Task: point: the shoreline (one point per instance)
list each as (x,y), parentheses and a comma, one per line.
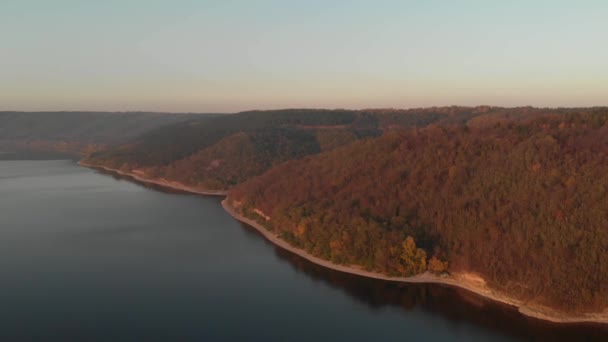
(455,280)
(159,182)
(424,278)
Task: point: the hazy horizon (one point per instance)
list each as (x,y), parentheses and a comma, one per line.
(231,56)
(290,108)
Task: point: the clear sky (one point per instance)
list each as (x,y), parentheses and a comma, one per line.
(223,55)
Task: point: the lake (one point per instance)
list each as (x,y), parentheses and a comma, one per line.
(86,256)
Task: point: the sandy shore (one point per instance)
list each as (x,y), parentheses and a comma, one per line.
(160,182)
(462,281)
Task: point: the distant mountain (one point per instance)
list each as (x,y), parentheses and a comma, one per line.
(79,131)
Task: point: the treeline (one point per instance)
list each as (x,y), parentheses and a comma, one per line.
(516,196)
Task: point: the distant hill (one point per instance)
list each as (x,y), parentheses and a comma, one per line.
(226,150)
(79,131)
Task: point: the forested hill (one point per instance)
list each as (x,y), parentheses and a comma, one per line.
(226,150)
(518,198)
(79,131)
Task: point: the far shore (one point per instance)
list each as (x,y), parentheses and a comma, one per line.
(462,281)
(160,182)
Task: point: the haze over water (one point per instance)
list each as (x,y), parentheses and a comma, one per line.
(85,256)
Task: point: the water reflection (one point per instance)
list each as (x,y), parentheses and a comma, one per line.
(454,304)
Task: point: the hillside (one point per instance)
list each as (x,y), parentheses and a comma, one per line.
(78,131)
(517,198)
(226,150)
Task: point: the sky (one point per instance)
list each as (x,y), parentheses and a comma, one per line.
(229,55)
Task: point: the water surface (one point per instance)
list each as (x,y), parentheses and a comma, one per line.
(85,256)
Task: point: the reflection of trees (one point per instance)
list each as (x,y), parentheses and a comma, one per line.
(453,304)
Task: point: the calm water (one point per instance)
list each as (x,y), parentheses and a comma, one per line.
(88,257)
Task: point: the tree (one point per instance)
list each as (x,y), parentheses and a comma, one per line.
(413,259)
(437,266)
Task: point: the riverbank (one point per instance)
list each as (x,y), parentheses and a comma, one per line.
(463,281)
(173,185)
(468,282)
